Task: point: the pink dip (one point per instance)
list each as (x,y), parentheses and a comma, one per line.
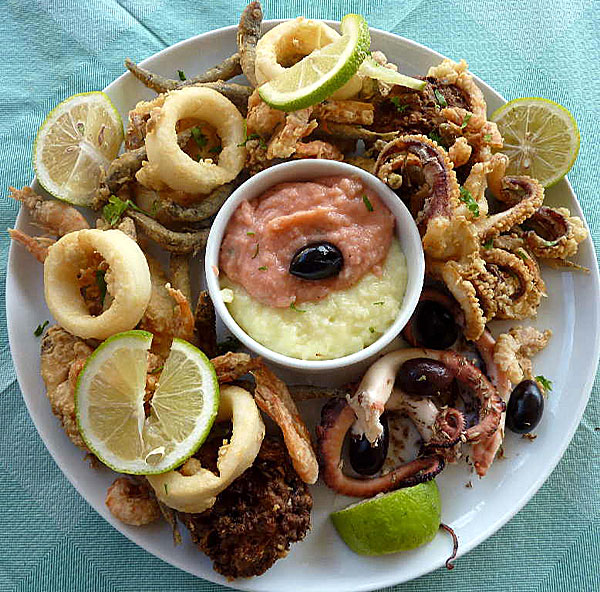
(264,234)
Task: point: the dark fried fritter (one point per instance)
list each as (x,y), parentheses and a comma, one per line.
(254,521)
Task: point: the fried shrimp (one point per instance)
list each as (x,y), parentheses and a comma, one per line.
(132,502)
(169,166)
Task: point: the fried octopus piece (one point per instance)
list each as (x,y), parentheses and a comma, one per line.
(132,501)
(62,358)
(255,520)
(513,351)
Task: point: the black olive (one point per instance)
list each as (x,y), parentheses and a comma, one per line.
(366,459)
(434,325)
(525,407)
(317,261)
(423,377)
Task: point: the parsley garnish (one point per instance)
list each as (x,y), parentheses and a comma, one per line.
(380,303)
(547,384)
(199,137)
(293,307)
(487,137)
(101,281)
(522,254)
(262,268)
(254,136)
(182,75)
(422,378)
(440,98)
(157,370)
(399,106)
(435,137)
(463,125)
(469,200)
(371,330)
(40,328)
(216,150)
(250,233)
(256,252)
(116,207)
(367,203)
(488,244)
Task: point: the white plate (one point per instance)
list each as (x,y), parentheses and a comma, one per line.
(322,561)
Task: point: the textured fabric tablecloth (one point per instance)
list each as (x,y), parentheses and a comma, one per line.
(51,539)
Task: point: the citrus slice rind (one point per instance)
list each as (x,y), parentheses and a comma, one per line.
(111,415)
(78,138)
(322,72)
(372,69)
(391,522)
(541,138)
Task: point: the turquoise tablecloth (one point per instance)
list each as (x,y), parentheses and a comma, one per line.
(51,539)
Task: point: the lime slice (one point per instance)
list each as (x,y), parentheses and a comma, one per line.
(323,71)
(372,69)
(398,521)
(78,138)
(109,403)
(540,138)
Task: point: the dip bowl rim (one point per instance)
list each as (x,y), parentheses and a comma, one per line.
(305,170)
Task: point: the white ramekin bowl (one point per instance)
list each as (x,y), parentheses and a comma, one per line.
(305,170)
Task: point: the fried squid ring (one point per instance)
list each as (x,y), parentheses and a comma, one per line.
(169,165)
(197,489)
(127,280)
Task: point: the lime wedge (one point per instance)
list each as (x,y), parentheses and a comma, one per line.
(323,71)
(372,69)
(398,521)
(540,138)
(78,138)
(109,403)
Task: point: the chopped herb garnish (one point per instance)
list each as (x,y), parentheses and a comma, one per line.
(547,384)
(262,268)
(463,125)
(256,252)
(487,137)
(157,370)
(182,75)
(115,208)
(380,303)
(367,202)
(422,378)
(435,137)
(101,281)
(255,136)
(440,98)
(216,150)
(371,330)
(522,254)
(399,106)
(199,137)
(251,233)
(469,200)
(488,244)
(293,307)
(40,328)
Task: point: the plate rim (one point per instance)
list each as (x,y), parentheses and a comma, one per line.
(254,584)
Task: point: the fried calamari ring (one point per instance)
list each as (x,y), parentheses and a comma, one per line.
(168,165)
(194,489)
(127,281)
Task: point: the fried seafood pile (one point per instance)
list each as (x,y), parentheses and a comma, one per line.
(485,234)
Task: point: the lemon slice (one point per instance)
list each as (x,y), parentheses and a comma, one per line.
(109,403)
(540,138)
(323,71)
(398,521)
(78,138)
(372,69)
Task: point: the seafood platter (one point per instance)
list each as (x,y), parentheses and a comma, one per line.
(314,303)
